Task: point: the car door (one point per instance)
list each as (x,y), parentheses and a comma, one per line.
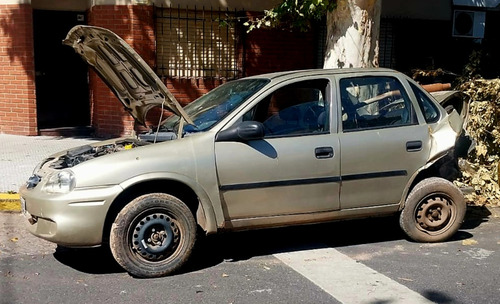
(295,168)
(382,143)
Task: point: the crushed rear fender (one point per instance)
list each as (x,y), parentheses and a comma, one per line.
(454,100)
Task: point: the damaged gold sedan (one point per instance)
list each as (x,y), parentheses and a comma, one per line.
(279,149)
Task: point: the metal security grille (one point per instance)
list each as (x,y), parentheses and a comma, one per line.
(196,43)
(320,37)
(387,44)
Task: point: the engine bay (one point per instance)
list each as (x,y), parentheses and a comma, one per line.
(78,155)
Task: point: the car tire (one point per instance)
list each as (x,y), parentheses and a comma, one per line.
(153,235)
(433,212)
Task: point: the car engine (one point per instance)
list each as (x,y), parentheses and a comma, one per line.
(80,154)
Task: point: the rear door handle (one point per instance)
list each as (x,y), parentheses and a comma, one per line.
(414,146)
(323,152)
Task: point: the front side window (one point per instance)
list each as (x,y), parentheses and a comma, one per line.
(297,109)
(374,102)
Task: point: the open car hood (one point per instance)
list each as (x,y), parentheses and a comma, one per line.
(134,83)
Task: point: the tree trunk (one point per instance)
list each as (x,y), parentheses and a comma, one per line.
(352,34)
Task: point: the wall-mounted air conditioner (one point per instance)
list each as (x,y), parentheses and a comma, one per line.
(468,24)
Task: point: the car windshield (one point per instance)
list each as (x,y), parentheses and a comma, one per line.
(212,107)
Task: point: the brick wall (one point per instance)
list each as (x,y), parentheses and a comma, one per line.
(271,50)
(262,51)
(135,24)
(17,71)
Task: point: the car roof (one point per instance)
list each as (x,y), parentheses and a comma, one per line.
(314,72)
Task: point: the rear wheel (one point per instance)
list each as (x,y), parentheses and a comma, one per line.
(153,235)
(434,211)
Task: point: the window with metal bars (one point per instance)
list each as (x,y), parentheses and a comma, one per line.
(387,44)
(196,43)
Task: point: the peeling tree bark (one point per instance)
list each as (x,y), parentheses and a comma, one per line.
(352,34)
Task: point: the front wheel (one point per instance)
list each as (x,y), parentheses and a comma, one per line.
(153,235)
(434,211)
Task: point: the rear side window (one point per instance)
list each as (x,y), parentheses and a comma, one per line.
(374,102)
(426,105)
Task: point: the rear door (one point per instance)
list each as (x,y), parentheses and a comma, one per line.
(295,169)
(382,142)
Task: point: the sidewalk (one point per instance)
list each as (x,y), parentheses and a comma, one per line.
(18,157)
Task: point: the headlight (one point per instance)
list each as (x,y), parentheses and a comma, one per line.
(60,182)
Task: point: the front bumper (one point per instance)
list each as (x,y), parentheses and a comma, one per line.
(74,219)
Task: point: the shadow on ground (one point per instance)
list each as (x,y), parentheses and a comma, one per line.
(244,245)
(238,246)
(475,216)
(89,260)
(438,297)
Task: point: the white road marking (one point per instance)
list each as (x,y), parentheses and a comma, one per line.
(479,253)
(346,280)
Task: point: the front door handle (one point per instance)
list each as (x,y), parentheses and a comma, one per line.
(414,146)
(323,152)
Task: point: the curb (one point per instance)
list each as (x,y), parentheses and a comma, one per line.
(10,202)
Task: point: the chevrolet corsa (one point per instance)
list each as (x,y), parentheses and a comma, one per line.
(279,149)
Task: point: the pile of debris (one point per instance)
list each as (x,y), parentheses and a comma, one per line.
(433,76)
(481,170)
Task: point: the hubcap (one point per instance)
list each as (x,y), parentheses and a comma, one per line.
(435,213)
(155,236)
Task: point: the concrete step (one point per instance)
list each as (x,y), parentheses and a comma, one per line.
(80,131)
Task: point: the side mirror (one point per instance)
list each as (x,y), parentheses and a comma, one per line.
(242,132)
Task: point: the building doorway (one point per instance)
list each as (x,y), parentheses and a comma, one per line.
(61,76)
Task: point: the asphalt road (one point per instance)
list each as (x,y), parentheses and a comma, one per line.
(267,266)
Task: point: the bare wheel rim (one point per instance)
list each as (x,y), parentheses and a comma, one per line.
(435,213)
(154,236)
